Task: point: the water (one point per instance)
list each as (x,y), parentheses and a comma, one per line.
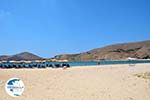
(79,63)
(107,62)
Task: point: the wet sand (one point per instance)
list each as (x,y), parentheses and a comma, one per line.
(109,82)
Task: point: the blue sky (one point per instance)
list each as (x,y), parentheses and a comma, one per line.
(51,27)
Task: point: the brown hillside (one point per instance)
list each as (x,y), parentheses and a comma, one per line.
(139,50)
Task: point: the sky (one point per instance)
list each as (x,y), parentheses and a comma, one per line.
(51,27)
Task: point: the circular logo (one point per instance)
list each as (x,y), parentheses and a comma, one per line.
(14,87)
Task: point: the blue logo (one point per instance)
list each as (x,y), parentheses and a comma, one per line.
(14,87)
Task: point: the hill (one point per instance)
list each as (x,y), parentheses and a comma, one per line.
(139,50)
(4,57)
(21,56)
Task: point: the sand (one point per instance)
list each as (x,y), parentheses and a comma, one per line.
(109,82)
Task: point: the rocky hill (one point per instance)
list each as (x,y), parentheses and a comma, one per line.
(139,50)
(21,56)
(4,57)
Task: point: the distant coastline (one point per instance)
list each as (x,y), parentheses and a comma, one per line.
(122,51)
(138,50)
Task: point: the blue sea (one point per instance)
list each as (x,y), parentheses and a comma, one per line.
(102,62)
(107,62)
(81,63)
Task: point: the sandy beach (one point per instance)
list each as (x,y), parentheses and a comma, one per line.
(109,82)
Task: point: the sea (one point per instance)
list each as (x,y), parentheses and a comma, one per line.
(81,63)
(107,62)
